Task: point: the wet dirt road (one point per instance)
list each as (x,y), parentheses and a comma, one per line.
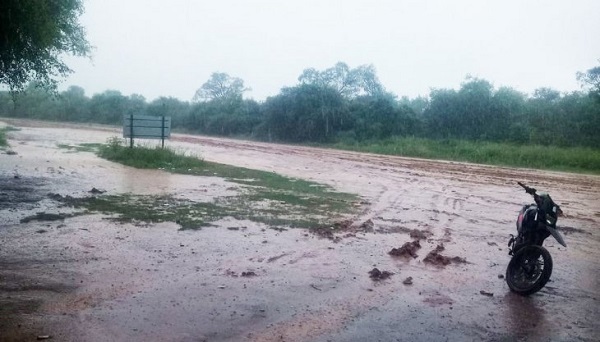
(89,279)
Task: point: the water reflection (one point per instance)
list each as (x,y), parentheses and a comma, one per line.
(525,317)
(144,181)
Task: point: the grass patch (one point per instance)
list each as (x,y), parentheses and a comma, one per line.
(134,208)
(3,131)
(263,197)
(148,158)
(572,159)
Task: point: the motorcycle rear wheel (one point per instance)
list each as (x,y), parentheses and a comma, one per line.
(529,270)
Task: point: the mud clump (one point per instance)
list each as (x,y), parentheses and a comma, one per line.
(377,275)
(409,249)
(246,274)
(96,191)
(419,234)
(485,293)
(366,226)
(348,226)
(435,258)
(328,231)
(342,225)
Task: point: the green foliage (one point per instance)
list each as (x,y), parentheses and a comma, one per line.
(474,112)
(221,87)
(34,34)
(379,117)
(348,82)
(591,80)
(344,104)
(225,118)
(304,113)
(578,159)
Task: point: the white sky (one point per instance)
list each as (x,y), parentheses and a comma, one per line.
(170,48)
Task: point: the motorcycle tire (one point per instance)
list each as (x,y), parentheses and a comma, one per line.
(523,274)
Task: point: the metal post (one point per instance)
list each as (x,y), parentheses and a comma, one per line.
(131,130)
(162,134)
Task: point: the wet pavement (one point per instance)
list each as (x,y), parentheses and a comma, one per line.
(86,278)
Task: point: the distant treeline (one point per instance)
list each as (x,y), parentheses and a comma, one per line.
(342,104)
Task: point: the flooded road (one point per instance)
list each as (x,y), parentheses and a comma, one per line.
(90,279)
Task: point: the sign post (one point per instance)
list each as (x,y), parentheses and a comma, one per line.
(146,127)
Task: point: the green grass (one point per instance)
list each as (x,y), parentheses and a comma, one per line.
(263,197)
(148,158)
(571,159)
(135,208)
(3,131)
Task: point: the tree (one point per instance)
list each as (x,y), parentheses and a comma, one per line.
(418,104)
(168,106)
(33,36)
(474,112)
(73,105)
(510,123)
(35,102)
(108,107)
(304,113)
(220,86)
(591,79)
(347,82)
(380,117)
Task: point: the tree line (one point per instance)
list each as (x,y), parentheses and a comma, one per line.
(342,104)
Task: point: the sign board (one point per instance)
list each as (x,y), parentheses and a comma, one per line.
(146,127)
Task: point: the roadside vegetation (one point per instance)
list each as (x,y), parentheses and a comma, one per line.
(260,196)
(570,159)
(3,131)
(3,141)
(349,108)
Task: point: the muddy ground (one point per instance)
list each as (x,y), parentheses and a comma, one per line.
(85,278)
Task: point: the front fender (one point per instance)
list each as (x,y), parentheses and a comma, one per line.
(556,235)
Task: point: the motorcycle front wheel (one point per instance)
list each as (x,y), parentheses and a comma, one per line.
(529,270)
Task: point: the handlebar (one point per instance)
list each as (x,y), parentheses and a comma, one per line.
(538,199)
(528,190)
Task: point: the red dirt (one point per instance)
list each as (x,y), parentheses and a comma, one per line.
(435,258)
(409,249)
(377,275)
(91,279)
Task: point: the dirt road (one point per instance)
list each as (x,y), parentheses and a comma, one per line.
(90,279)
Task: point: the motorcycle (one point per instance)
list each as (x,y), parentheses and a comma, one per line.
(530,267)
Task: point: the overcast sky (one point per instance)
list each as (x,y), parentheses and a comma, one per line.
(170,48)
